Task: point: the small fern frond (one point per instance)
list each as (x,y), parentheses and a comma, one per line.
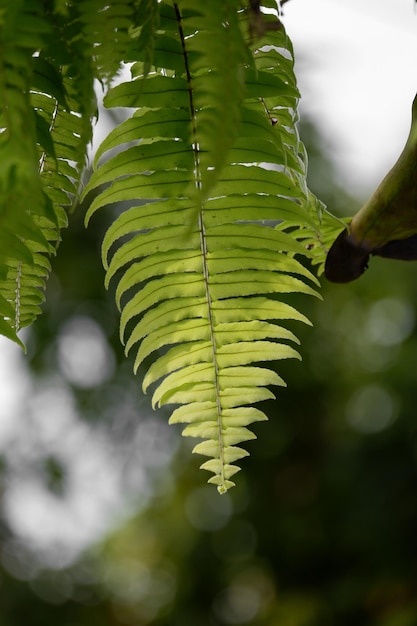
(105,27)
(143,34)
(209,37)
(208,171)
(317,236)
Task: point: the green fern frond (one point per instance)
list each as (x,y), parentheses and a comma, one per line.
(210,34)
(209,166)
(105,28)
(143,34)
(45,128)
(23,205)
(318,236)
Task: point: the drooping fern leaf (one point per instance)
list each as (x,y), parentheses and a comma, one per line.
(105,27)
(22,31)
(46,106)
(209,161)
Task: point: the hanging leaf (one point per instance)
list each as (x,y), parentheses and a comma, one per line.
(209,162)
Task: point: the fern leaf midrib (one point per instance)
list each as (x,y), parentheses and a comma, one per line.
(17,299)
(51,128)
(203,246)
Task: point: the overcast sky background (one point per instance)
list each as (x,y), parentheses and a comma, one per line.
(357,73)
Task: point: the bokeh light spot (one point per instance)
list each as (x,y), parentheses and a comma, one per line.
(390,321)
(237,604)
(206,510)
(84,355)
(371,409)
(52,587)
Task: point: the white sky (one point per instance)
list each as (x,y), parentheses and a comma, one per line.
(357,72)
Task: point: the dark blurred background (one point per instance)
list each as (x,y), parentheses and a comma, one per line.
(106,520)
